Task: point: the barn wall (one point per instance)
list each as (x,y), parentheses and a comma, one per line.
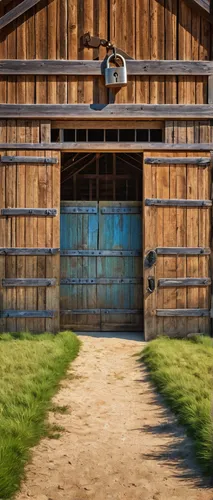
(151,29)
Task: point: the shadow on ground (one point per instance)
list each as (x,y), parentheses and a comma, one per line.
(178,453)
(136,336)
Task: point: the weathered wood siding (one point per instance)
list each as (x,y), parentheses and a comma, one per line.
(177,226)
(30,186)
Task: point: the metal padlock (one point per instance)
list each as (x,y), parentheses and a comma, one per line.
(116,76)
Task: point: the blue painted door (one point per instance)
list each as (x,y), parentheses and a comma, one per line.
(101,266)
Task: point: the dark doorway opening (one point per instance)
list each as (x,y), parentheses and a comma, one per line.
(101,176)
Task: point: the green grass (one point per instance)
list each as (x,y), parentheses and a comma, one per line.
(182,372)
(31,368)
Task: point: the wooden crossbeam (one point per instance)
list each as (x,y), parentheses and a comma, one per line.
(108,111)
(22,282)
(177,161)
(110,147)
(16,12)
(28,251)
(173,202)
(12,313)
(96,68)
(183,251)
(29,212)
(28,159)
(183,312)
(181,282)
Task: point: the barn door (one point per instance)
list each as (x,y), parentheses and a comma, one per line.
(29,240)
(177,211)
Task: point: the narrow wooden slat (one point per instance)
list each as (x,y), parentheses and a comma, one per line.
(149,202)
(178,161)
(10,313)
(96,68)
(210,89)
(183,251)
(27,159)
(29,251)
(16,12)
(112,147)
(167,282)
(29,212)
(10,282)
(101,111)
(183,312)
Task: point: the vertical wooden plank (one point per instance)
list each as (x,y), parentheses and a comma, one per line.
(170,239)
(61,46)
(170,48)
(88,20)
(32,135)
(2,227)
(204,225)
(142,48)
(157,23)
(192,240)
(20,183)
(41,41)
(31,54)
(3,55)
(51,48)
(123,14)
(150,219)
(72,49)
(100,26)
(53,240)
(181,172)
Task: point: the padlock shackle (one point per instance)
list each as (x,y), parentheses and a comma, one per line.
(118,56)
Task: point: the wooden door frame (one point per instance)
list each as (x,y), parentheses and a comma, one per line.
(142,201)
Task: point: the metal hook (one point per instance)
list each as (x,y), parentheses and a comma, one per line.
(115,53)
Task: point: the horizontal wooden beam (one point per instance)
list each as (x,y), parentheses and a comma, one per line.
(150,202)
(177,161)
(107,111)
(27,159)
(29,251)
(110,147)
(167,282)
(11,282)
(100,311)
(28,212)
(10,313)
(183,251)
(183,312)
(96,68)
(16,12)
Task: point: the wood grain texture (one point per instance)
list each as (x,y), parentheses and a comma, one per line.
(16,12)
(110,111)
(138,147)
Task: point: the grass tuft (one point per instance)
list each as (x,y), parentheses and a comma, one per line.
(31,367)
(182,372)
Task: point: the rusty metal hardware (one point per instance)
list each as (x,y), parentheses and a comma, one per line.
(150,259)
(99,253)
(94,42)
(151,284)
(100,281)
(121,210)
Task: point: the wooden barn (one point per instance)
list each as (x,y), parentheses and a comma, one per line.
(106,191)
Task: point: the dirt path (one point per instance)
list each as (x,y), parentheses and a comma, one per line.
(119,443)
